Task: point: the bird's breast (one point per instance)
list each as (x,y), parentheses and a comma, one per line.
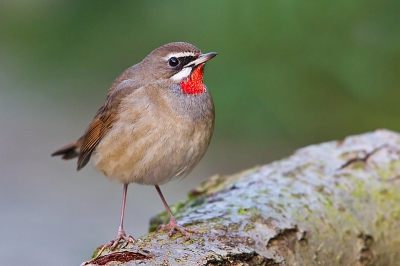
(154,139)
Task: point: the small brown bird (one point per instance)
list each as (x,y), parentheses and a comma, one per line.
(155,125)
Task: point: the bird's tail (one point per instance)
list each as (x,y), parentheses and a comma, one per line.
(69,151)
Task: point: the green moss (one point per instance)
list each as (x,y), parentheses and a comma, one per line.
(389,171)
(96,252)
(328,201)
(359,189)
(242,211)
(249,227)
(175,209)
(197,201)
(246,211)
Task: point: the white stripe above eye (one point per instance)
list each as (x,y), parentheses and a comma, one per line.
(184,73)
(179,54)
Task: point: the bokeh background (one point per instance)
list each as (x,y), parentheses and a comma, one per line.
(289,74)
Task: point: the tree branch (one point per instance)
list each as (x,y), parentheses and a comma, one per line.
(336,203)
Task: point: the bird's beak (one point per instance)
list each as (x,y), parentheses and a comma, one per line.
(202,59)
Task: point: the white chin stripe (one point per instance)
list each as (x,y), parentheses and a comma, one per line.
(180,54)
(184,73)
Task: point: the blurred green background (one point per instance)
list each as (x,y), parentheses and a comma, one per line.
(289,74)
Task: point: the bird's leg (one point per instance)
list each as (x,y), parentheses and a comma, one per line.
(173,224)
(121,233)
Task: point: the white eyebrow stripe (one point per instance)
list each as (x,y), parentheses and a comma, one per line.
(180,54)
(184,73)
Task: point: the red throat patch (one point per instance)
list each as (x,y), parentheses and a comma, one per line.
(194,83)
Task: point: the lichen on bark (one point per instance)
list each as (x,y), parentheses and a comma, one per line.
(336,203)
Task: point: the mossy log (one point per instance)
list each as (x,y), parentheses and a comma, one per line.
(336,203)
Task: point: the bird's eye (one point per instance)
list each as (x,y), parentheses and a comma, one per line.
(173,61)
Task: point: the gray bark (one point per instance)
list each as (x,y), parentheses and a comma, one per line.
(336,203)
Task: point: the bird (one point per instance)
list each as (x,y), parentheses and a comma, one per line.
(155,126)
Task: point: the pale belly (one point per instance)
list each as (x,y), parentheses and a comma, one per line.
(151,153)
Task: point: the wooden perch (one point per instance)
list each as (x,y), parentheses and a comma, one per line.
(336,203)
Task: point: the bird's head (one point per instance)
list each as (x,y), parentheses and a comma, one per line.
(179,63)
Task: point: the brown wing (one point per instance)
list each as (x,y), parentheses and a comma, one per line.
(101,124)
(103,121)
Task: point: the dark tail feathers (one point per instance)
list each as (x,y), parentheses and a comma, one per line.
(69,151)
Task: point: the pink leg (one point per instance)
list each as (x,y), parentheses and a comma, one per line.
(173,224)
(121,233)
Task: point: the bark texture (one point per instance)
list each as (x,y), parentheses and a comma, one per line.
(336,203)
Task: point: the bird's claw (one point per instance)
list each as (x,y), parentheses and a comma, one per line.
(173,225)
(114,243)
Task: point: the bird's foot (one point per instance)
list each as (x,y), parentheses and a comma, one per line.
(173,225)
(114,243)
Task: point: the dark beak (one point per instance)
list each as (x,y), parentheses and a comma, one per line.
(202,59)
